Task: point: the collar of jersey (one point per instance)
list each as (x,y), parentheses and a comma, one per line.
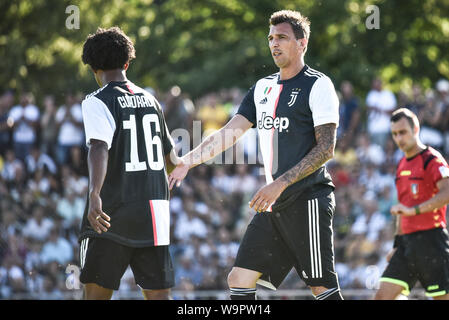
(418,154)
(295,77)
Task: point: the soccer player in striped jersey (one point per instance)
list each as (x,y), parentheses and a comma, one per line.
(126,221)
(421,247)
(296,114)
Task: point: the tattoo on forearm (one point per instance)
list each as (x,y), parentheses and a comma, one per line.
(207,149)
(326,138)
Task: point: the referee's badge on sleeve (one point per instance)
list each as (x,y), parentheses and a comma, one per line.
(444,171)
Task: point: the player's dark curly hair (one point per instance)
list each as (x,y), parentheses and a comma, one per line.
(108,49)
(299,23)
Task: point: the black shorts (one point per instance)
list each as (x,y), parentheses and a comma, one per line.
(298,235)
(104,262)
(421,256)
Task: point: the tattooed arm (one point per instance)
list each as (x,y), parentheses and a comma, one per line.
(326,138)
(212,146)
(323,151)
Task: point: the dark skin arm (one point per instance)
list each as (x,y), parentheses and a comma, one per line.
(97,160)
(326,138)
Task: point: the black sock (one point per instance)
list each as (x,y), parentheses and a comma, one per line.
(331,294)
(243,293)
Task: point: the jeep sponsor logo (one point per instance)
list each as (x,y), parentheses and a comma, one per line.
(267,122)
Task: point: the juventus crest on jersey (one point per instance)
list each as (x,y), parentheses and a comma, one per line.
(135,191)
(285,113)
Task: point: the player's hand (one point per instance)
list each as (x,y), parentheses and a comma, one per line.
(178,174)
(98,220)
(400,209)
(266,196)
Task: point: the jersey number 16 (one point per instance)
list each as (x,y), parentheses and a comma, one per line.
(155,163)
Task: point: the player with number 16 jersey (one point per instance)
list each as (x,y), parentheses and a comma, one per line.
(126,221)
(135,192)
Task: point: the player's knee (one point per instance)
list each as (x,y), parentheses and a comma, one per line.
(236,279)
(241,278)
(233,279)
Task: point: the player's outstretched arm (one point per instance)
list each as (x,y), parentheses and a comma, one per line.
(326,137)
(212,146)
(97,160)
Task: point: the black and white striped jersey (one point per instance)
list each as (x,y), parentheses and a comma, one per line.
(135,192)
(285,113)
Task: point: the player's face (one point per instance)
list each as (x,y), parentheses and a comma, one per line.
(284,47)
(404,135)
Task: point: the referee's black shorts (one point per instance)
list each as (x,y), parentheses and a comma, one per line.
(297,235)
(421,256)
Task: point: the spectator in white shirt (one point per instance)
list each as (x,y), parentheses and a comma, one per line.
(25,120)
(39,226)
(69,118)
(372,221)
(57,249)
(70,208)
(11,166)
(380,103)
(189,224)
(38,160)
(49,127)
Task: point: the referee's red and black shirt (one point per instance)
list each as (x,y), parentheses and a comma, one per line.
(416,182)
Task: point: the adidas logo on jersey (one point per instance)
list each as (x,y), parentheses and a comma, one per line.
(267,122)
(263,101)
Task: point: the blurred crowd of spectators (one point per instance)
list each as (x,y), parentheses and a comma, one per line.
(43,187)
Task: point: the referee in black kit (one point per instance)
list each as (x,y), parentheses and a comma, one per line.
(296,114)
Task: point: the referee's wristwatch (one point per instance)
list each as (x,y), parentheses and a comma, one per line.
(417,212)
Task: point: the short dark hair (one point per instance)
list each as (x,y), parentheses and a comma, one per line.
(108,49)
(406,114)
(300,24)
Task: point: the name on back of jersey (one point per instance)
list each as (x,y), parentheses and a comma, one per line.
(135,101)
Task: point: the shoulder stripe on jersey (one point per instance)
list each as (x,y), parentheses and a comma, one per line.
(314,71)
(313,74)
(428,159)
(95,92)
(272,76)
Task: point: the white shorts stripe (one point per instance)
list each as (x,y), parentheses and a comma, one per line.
(83,251)
(314,239)
(312,268)
(317,213)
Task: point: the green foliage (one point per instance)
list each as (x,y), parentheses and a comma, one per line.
(208,45)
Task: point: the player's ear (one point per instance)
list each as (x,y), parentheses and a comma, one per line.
(415,129)
(125,66)
(303,43)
